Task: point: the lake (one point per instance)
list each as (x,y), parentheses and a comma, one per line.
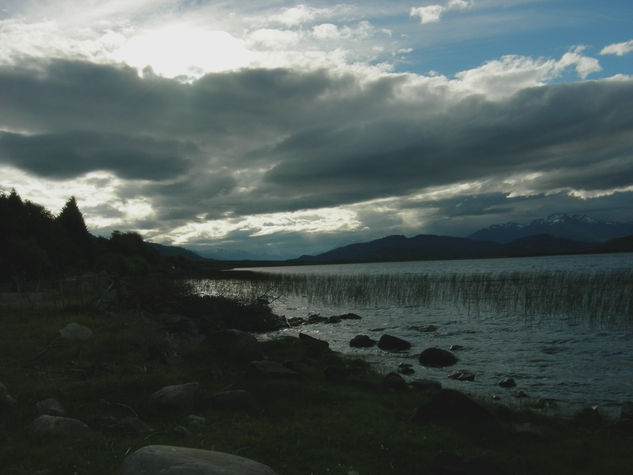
(561,326)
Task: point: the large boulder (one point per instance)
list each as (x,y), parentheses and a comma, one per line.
(436,357)
(51,407)
(76,332)
(170,460)
(393,343)
(362,341)
(178,396)
(314,346)
(57,426)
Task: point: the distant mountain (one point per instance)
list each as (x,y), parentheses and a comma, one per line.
(426,246)
(174,251)
(573,227)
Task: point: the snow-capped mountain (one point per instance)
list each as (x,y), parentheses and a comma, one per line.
(562,225)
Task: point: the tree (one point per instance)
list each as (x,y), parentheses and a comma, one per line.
(72,221)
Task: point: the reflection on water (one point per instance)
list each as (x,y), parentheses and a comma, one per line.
(560,326)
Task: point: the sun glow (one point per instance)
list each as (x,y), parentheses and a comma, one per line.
(178,50)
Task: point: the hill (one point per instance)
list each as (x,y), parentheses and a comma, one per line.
(572,227)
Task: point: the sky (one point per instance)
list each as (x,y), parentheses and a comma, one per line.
(272,129)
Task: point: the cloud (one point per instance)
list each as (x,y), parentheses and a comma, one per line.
(619,49)
(511,73)
(275,151)
(74,154)
(432,13)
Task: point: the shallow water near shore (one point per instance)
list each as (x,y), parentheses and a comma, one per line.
(561,326)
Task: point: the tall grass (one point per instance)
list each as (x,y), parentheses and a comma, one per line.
(600,295)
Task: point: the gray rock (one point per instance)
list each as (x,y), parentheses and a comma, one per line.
(462,375)
(235,399)
(456,347)
(314,345)
(76,332)
(130,425)
(169,460)
(424,328)
(405,368)
(178,396)
(436,357)
(362,341)
(196,421)
(393,343)
(182,431)
(507,383)
(395,381)
(46,425)
(51,407)
(5,398)
(271,369)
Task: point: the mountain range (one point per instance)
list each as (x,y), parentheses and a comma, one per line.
(556,234)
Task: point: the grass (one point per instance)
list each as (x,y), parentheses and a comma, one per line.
(596,296)
(310,425)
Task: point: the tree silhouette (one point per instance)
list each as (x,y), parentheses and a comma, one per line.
(72,222)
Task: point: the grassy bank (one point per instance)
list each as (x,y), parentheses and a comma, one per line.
(334,416)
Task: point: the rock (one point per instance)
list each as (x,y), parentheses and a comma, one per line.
(393,343)
(235,343)
(456,347)
(196,421)
(424,328)
(350,316)
(130,425)
(51,407)
(626,412)
(395,381)
(271,369)
(451,405)
(182,431)
(179,396)
(314,345)
(529,429)
(76,332)
(164,460)
(333,319)
(462,375)
(588,417)
(46,425)
(436,357)
(5,398)
(507,383)
(426,384)
(315,318)
(234,399)
(362,341)
(295,321)
(520,394)
(177,324)
(405,368)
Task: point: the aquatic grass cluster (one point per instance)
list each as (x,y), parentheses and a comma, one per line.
(595,296)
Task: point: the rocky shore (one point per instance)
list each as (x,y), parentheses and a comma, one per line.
(176,382)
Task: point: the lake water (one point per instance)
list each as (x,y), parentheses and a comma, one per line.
(561,326)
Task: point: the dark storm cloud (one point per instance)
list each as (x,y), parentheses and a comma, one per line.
(261,141)
(569,129)
(68,155)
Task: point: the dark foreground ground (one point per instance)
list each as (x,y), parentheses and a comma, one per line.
(305,410)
